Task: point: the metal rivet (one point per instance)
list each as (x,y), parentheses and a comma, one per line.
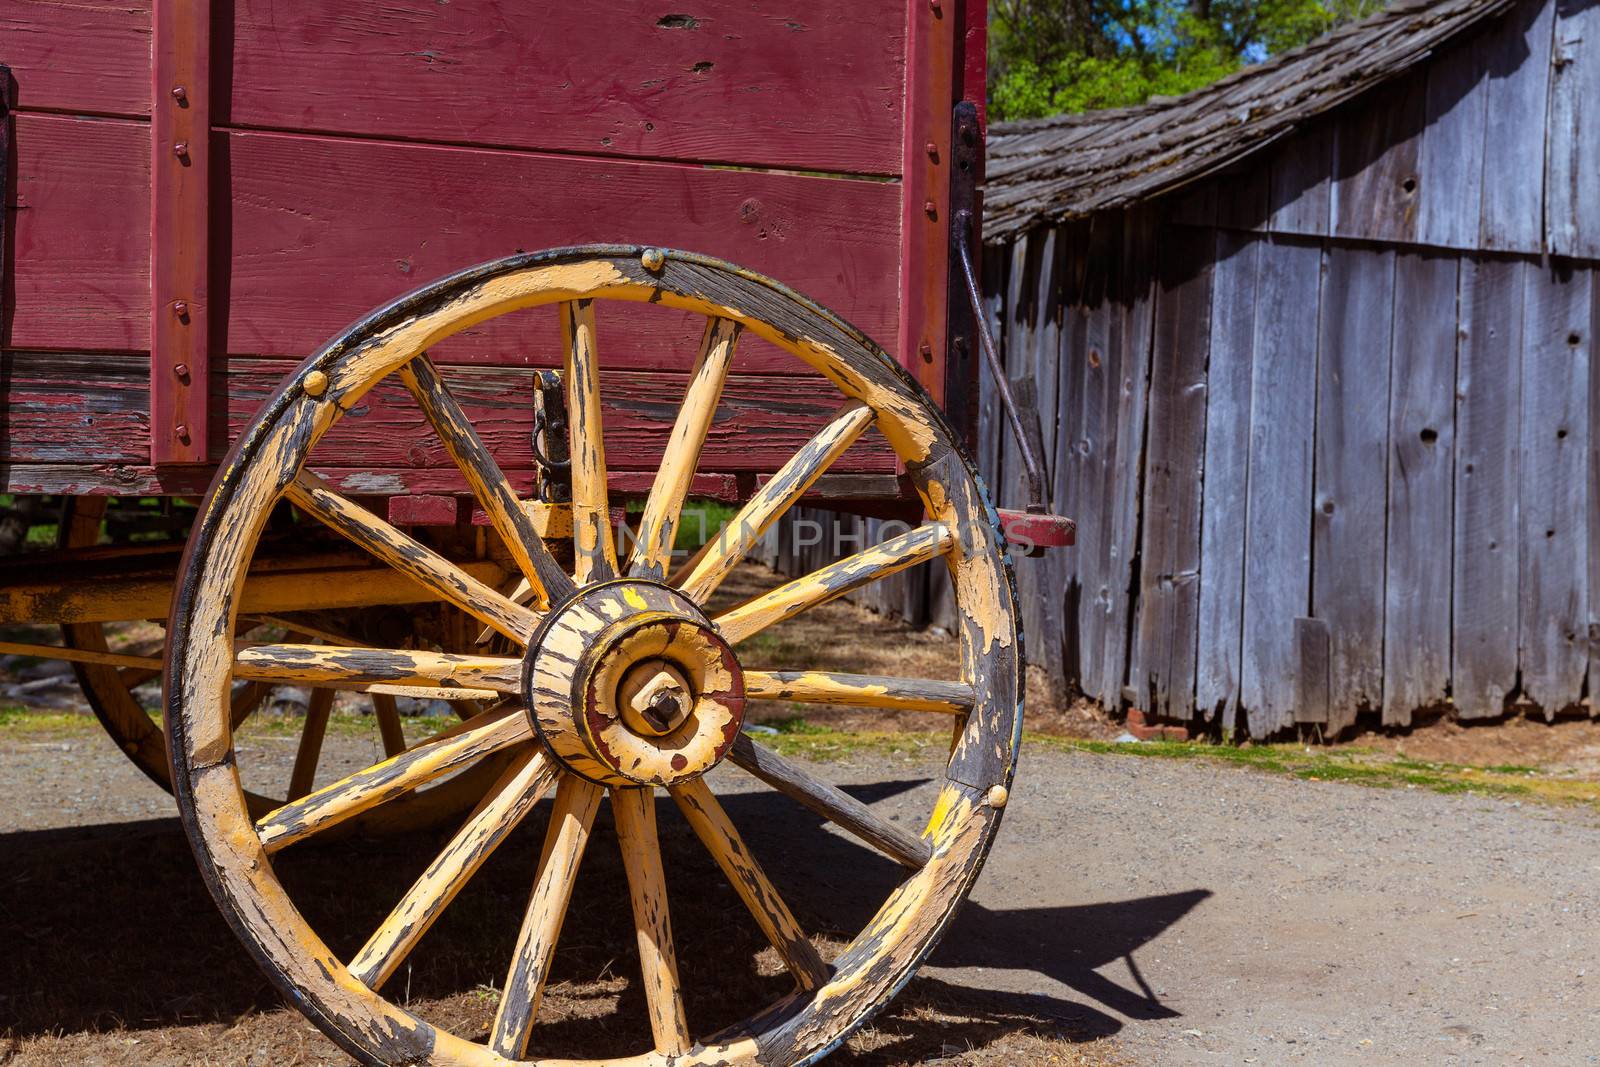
(181,370)
(315,384)
(931,208)
(180,149)
(179,93)
(180,308)
(182,430)
(932,150)
(998,795)
(653,258)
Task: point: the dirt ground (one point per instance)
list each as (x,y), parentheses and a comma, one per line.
(1135,911)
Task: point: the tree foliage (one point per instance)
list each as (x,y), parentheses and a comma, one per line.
(1047,57)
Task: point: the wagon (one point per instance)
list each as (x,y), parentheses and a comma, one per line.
(473,494)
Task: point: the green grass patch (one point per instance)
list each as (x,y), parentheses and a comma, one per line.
(802,738)
(22,721)
(1356,766)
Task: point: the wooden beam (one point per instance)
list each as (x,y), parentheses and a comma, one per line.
(180,132)
(64,599)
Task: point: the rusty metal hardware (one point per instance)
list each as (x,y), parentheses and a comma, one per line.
(550,438)
(1030,460)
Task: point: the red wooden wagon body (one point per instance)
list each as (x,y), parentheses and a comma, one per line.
(201,194)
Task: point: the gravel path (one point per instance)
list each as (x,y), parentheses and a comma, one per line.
(1188,912)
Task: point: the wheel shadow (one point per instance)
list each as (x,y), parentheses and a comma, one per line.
(110,927)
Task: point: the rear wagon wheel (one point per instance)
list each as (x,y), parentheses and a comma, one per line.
(626,683)
(126,698)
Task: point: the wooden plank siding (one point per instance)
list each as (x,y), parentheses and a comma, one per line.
(1555,430)
(1365,489)
(1484,583)
(1352,445)
(1227,464)
(1277,573)
(1417,558)
(1163,654)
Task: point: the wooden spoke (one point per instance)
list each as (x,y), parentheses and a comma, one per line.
(350,667)
(831,803)
(466,702)
(594,547)
(488,482)
(244,702)
(576,802)
(387,712)
(894,555)
(635,814)
(505,806)
(658,527)
(715,830)
(774,498)
(298,627)
(304,775)
(80,655)
(384,781)
(859,690)
(407,555)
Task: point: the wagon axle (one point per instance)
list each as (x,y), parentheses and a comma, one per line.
(630,684)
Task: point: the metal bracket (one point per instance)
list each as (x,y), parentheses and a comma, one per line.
(550,448)
(961,324)
(1030,460)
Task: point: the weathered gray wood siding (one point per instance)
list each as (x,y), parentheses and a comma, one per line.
(1314,478)
(1328,422)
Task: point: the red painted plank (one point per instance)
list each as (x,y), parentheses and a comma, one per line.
(180,155)
(424,509)
(925,224)
(323,230)
(795,84)
(64,408)
(760,423)
(123,479)
(80,262)
(92,57)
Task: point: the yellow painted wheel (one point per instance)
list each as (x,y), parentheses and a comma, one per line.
(623,681)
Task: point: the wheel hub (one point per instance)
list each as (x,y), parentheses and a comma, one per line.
(628,683)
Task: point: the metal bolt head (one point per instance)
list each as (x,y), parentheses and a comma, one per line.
(998,795)
(315,383)
(179,93)
(653,259)
(182,430)
(931,208)
(181,149)
(180,308)
(934,5)
(927,352)
(181,370)
(932,150)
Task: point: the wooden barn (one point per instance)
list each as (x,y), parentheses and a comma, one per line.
(1311,352)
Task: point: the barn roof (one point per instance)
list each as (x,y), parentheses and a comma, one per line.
(1069,166)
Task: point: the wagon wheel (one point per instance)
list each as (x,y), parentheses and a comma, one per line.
(631,685)
(119,695)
